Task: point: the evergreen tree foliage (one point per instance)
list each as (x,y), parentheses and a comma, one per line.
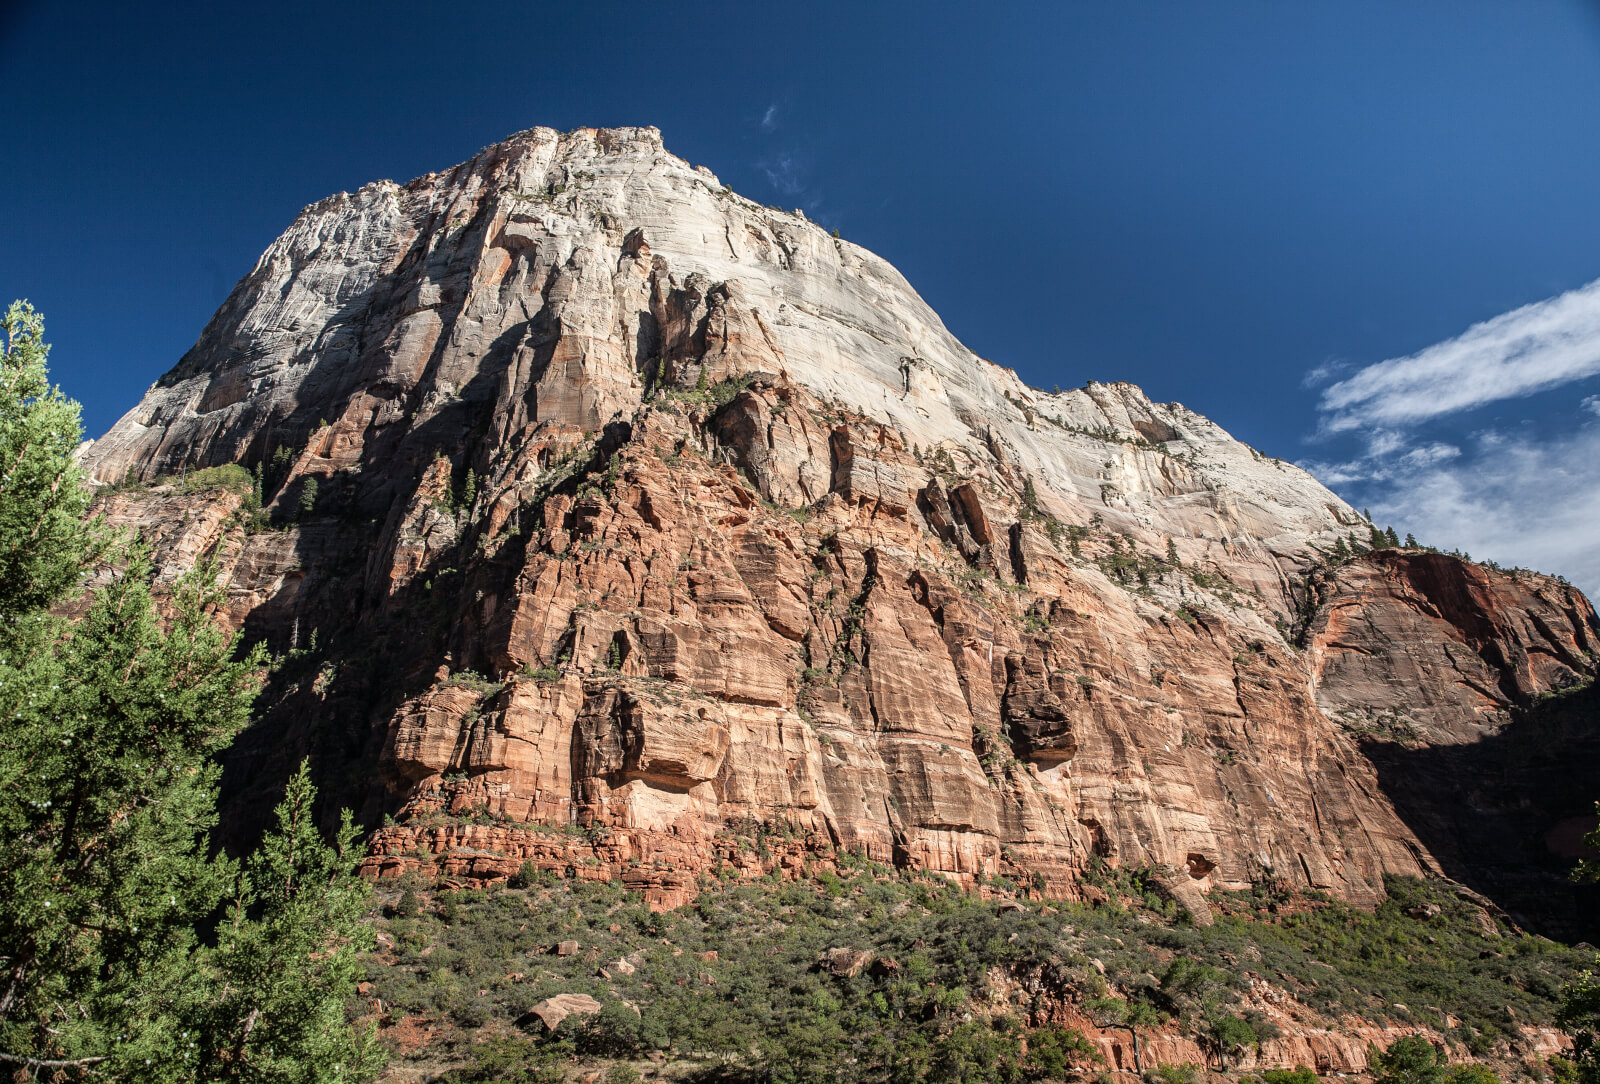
(287,957)
(1030,498)
(1580,1005)
(107,797)
(278,471)
(1298,1075)
(1580,1017)
(1409,1060)
(108,729)
(43,545)
(1393,539)
(1411,541)
(308,495)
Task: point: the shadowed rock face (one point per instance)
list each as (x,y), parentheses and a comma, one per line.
(1466,687)
(738,541)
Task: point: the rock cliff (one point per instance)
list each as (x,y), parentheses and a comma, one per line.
(620,524)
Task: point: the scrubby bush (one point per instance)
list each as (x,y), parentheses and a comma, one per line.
(770,1006)
(1298,1075)
(1408,1060)
(1471,1074)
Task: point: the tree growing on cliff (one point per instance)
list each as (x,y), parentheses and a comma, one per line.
(1030,498)
(108,729)
(308,495)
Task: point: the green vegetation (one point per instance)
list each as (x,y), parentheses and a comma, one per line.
(43,545)
(307,503)
(1414,1060)
(706,394)
(745,983)
(739,980)
(1129,566)
(1580,1003)
(230,477)
(1298,1075)
(128,950)
(471,679)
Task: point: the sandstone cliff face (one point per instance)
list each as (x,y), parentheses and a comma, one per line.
(619,521)
(1432,648)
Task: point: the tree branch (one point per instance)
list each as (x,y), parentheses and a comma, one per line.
(46,1063)
(17,972)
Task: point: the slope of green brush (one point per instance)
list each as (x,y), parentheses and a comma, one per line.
(767,1006)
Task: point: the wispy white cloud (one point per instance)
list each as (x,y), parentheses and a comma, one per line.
(784,172)
(1388,454)
(1529,497)
(1429,454)
(1320,374)
(1530,349)
(769,119)
(1516,499)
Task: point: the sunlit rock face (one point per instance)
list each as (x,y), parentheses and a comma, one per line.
(617,520)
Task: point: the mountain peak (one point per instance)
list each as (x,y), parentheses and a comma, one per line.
(619,500)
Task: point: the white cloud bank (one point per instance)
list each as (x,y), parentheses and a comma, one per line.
(1530,499)
(1518,500)
(1530,349)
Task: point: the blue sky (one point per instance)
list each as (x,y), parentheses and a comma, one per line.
(1289,217)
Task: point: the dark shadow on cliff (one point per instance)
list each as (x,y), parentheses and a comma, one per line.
(349,652)
(376,647)
(1504,815)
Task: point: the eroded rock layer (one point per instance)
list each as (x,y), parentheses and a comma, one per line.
(613,521)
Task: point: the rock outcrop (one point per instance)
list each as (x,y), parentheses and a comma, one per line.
(621,525)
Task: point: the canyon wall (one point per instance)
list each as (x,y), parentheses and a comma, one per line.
(616,523)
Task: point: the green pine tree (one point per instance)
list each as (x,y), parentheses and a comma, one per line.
(1409,1060)
(1580,1005)
(1392,538)
(109,728)
(278,472)
(43,545)
(308,495)
(1030,498)
(286,957)
(1411,541)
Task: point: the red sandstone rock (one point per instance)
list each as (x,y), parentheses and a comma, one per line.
(872,594)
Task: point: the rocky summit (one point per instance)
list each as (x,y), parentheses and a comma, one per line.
(608,521)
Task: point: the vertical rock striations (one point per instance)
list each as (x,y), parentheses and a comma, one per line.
(619,524)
